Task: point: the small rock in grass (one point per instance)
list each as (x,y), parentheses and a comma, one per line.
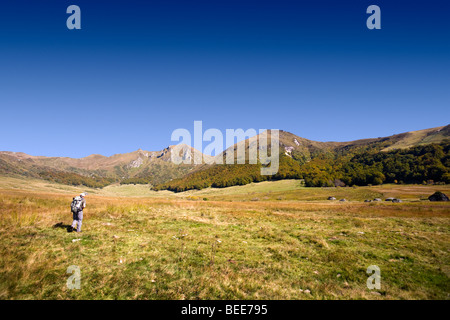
(438,196)
(375,293)
(307,291)
(338,275)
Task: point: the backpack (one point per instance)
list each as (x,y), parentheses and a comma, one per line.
(75,206)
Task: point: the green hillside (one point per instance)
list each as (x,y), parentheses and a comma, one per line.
(97,171)
(413,165)
(319,163)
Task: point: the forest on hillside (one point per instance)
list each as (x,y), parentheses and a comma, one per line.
(420,164)
(356,165)
(91,179)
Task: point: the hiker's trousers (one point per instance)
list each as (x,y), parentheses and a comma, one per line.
(77,219)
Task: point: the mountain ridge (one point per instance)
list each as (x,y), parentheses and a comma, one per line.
(155,167)
(359,162)
(443,129)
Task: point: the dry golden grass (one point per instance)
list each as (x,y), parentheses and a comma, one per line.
(174,248)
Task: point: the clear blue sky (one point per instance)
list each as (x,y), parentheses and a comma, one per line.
(140,69)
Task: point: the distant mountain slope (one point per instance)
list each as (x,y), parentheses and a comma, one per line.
(96,170)
(421,137)
(297,147)
(156,168)
(331,163)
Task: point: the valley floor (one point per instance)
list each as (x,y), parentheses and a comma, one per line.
(272,240)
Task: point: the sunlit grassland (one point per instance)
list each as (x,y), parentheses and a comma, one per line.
(175,248)
(290,190)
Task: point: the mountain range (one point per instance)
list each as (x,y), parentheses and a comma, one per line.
(156,168)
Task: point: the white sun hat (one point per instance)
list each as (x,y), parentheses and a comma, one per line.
(83,194)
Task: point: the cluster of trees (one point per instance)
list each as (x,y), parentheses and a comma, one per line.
(413,165)
(75,179)
(218,176)
(227,175)
(64,177)
(352,167)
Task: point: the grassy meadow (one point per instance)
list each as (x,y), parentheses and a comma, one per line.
(271,240)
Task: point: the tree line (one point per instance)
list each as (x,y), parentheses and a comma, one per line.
(370,167)
(75,179)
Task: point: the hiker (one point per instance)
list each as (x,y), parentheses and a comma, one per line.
(77,206)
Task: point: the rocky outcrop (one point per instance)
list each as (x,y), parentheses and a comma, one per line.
(136,163)
(288,151)
(438,196)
